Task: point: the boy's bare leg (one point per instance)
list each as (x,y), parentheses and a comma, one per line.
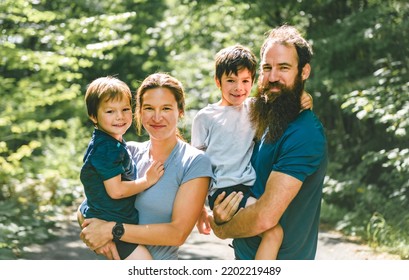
(140,253)
(270,243)
(270,240)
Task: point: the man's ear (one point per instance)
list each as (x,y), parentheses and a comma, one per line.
(306,71)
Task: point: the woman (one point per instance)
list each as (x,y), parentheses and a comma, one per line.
(168,210)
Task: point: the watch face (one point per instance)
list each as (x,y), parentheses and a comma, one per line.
(118,231)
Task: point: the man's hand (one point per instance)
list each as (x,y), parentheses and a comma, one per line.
(217,229)
(225,208)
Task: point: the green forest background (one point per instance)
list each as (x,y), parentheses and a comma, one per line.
(50,50)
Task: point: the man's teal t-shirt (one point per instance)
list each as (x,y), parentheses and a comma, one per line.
(301,152)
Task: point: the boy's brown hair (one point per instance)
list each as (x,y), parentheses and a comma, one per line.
(104,89)
(234,58)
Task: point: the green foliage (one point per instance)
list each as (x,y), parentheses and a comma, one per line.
(363,102)
(21,224)
(384,101)
(46,59)
(191,34)
(50,51)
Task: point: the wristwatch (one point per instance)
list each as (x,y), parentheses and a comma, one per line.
(117,231)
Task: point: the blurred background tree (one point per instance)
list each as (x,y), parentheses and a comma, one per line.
(51,50)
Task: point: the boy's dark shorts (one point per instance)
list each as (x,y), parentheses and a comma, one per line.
(246,190)
(125,248)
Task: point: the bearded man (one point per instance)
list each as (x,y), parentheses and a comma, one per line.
(290,156)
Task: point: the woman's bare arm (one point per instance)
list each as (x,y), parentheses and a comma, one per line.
(186,210)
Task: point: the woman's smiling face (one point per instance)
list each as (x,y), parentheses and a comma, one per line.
(160,113)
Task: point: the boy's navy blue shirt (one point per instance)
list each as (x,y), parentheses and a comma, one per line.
(106,158)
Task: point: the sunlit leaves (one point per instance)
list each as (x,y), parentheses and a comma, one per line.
(50,50)
(386,102)
(44,54)
(24,151)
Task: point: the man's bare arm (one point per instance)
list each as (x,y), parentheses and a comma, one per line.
(265,213)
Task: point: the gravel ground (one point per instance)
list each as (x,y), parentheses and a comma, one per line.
(331,246)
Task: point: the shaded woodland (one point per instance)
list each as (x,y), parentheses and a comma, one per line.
(50,50)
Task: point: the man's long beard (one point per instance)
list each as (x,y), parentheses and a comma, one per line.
(274,111)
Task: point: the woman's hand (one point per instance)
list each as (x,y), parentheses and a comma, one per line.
(96,233)
(202,224)
(109,250)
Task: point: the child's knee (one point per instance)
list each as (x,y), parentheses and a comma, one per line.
(275,233)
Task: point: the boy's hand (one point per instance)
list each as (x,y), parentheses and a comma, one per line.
(306,101)
(154,172)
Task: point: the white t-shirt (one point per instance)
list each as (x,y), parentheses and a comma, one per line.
(226,135)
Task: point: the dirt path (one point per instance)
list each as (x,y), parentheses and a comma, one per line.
(68,246)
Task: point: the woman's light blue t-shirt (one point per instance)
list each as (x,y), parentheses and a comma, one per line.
(155,204)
